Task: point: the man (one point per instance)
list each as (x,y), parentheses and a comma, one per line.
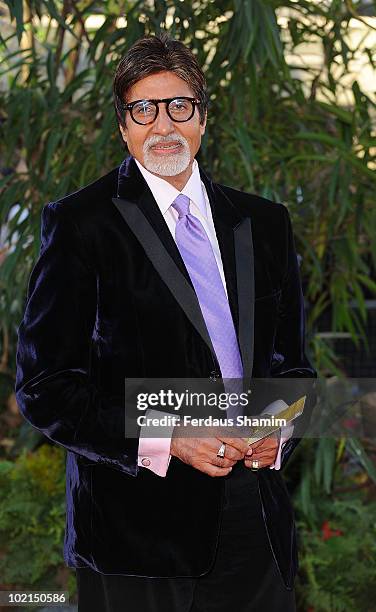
(154,271)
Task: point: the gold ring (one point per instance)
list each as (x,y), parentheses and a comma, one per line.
(255,465)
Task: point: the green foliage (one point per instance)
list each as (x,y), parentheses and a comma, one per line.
(338,555)
(336,533)
(32,517)
(318,464)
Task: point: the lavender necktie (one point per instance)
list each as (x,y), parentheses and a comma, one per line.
(198,256)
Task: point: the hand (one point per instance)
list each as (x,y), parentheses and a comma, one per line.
(201,453)
(265,451)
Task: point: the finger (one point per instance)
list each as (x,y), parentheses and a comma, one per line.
(257,444)
(264,443)
(264,453)
(230,451)
(261,464)
(249,463)
(238,444)
(264,459)
(222,462)
(264,462)
(267,448)
(266,440)
(215,471)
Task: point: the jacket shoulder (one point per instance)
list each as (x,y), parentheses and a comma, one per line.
(88,199)
(270,220)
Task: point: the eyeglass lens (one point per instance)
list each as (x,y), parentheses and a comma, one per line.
(145,111)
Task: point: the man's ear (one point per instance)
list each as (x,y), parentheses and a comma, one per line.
(123,131)
(203,125)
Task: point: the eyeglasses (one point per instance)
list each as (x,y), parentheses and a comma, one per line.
(179,109)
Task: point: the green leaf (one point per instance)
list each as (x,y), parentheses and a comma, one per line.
(16,12)
(337,111)
(368,282)
(320,137)
(52,10)
(357,449)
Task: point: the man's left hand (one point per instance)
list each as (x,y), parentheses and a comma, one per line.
(265,451)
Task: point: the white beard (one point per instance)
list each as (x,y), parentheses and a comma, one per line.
(168,165)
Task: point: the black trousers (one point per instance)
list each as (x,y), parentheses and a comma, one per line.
(244,577)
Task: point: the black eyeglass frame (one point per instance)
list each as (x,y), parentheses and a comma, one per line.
(166,101)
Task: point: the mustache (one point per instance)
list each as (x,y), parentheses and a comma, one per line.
(155,140)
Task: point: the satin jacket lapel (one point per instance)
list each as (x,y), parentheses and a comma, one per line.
(140,211)
(246,294)
(236,248)
(133,188)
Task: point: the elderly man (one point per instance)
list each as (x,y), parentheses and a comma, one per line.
(154,271)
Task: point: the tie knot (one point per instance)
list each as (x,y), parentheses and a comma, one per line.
(181,204)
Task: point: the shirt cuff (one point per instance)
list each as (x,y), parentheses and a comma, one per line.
(154,453)
(286,432)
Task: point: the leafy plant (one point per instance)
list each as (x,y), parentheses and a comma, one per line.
(32,517)
(338,555)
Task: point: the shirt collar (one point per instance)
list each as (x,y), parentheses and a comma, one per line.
(164,193)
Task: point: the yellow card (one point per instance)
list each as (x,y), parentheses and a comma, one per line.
(287,414)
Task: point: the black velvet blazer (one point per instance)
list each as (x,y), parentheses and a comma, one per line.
(109,298)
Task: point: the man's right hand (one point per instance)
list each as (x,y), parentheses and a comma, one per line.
(201,453)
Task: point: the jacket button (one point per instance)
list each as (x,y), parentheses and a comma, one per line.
(145,461)
(214,376)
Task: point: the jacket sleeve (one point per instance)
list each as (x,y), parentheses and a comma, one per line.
(289,358)
(53,386)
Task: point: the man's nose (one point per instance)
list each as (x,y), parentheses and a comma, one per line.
(163,124)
